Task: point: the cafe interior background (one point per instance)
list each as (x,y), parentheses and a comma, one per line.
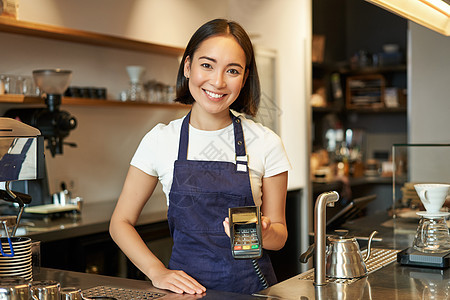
(281,30)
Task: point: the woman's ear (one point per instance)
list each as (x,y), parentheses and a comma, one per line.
(187,67)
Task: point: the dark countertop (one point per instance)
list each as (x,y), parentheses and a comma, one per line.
(94,218)
(86,281)
(393,281)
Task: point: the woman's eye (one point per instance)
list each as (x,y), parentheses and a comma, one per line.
(206,65)
(233,71)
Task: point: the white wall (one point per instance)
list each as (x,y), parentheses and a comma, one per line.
(169,22)
(108,136)
(285,26)
(429,88)
(429,102)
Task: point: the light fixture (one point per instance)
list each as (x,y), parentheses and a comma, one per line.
(433,14)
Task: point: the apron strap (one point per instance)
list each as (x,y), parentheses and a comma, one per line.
(184,138)
(239,142)
(239,145)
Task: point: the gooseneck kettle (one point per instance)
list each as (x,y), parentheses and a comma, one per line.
(343,256)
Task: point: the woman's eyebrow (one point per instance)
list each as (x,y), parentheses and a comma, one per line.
(215,61)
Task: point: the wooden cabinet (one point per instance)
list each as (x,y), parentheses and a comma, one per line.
(98,254)
(377,88)
(365,91)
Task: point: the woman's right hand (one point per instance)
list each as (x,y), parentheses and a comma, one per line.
(177,281)
(138,188)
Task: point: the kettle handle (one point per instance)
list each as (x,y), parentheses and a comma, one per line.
(369,245)
(305,256)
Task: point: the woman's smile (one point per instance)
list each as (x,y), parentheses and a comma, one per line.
(214,96)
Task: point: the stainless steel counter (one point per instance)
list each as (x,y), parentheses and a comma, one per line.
(391,282)
(87,281)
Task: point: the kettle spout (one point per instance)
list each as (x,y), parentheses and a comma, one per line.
(369,245)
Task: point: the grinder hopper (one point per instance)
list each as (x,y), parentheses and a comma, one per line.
(54,124)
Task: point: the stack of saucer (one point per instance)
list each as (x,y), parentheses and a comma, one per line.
(20,263)
(409,195)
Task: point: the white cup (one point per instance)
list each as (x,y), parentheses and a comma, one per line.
(432,195)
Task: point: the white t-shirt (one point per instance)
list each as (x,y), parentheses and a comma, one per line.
(158,151)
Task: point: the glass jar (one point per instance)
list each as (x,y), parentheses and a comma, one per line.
(432,234)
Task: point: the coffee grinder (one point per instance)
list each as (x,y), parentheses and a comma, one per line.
(53,123)
(431,246)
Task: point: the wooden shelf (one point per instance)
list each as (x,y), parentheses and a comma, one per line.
(375,110)
(11,25)
(371,70)
(326,109)
(362,110)
(20,99)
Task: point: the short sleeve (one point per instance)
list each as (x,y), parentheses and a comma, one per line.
(146,155)
(276,159)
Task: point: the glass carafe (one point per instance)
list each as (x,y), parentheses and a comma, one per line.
(432,234)
(136,90)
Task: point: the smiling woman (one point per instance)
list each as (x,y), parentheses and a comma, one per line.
(209,161)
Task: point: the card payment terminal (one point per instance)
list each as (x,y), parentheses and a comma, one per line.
(245,232)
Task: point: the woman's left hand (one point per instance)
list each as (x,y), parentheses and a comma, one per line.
(273,219)
(226,226)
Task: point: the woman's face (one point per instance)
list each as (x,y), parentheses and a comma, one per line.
(216,73)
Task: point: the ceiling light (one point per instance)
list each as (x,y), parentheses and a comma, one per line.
(433,14)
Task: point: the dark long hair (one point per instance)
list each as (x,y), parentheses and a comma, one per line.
(248,100)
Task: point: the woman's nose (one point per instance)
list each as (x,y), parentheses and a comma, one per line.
(218,80)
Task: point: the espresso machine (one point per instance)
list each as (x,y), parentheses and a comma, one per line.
(53,123)
(21,158)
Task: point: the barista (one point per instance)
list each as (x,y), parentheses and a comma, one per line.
(208,161)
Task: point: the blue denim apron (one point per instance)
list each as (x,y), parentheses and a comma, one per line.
(201,193)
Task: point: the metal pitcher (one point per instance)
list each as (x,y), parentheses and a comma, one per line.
(344,258)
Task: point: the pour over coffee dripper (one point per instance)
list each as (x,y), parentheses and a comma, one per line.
(432,235)
(136,91)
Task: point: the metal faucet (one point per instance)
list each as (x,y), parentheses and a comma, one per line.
(324,199)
